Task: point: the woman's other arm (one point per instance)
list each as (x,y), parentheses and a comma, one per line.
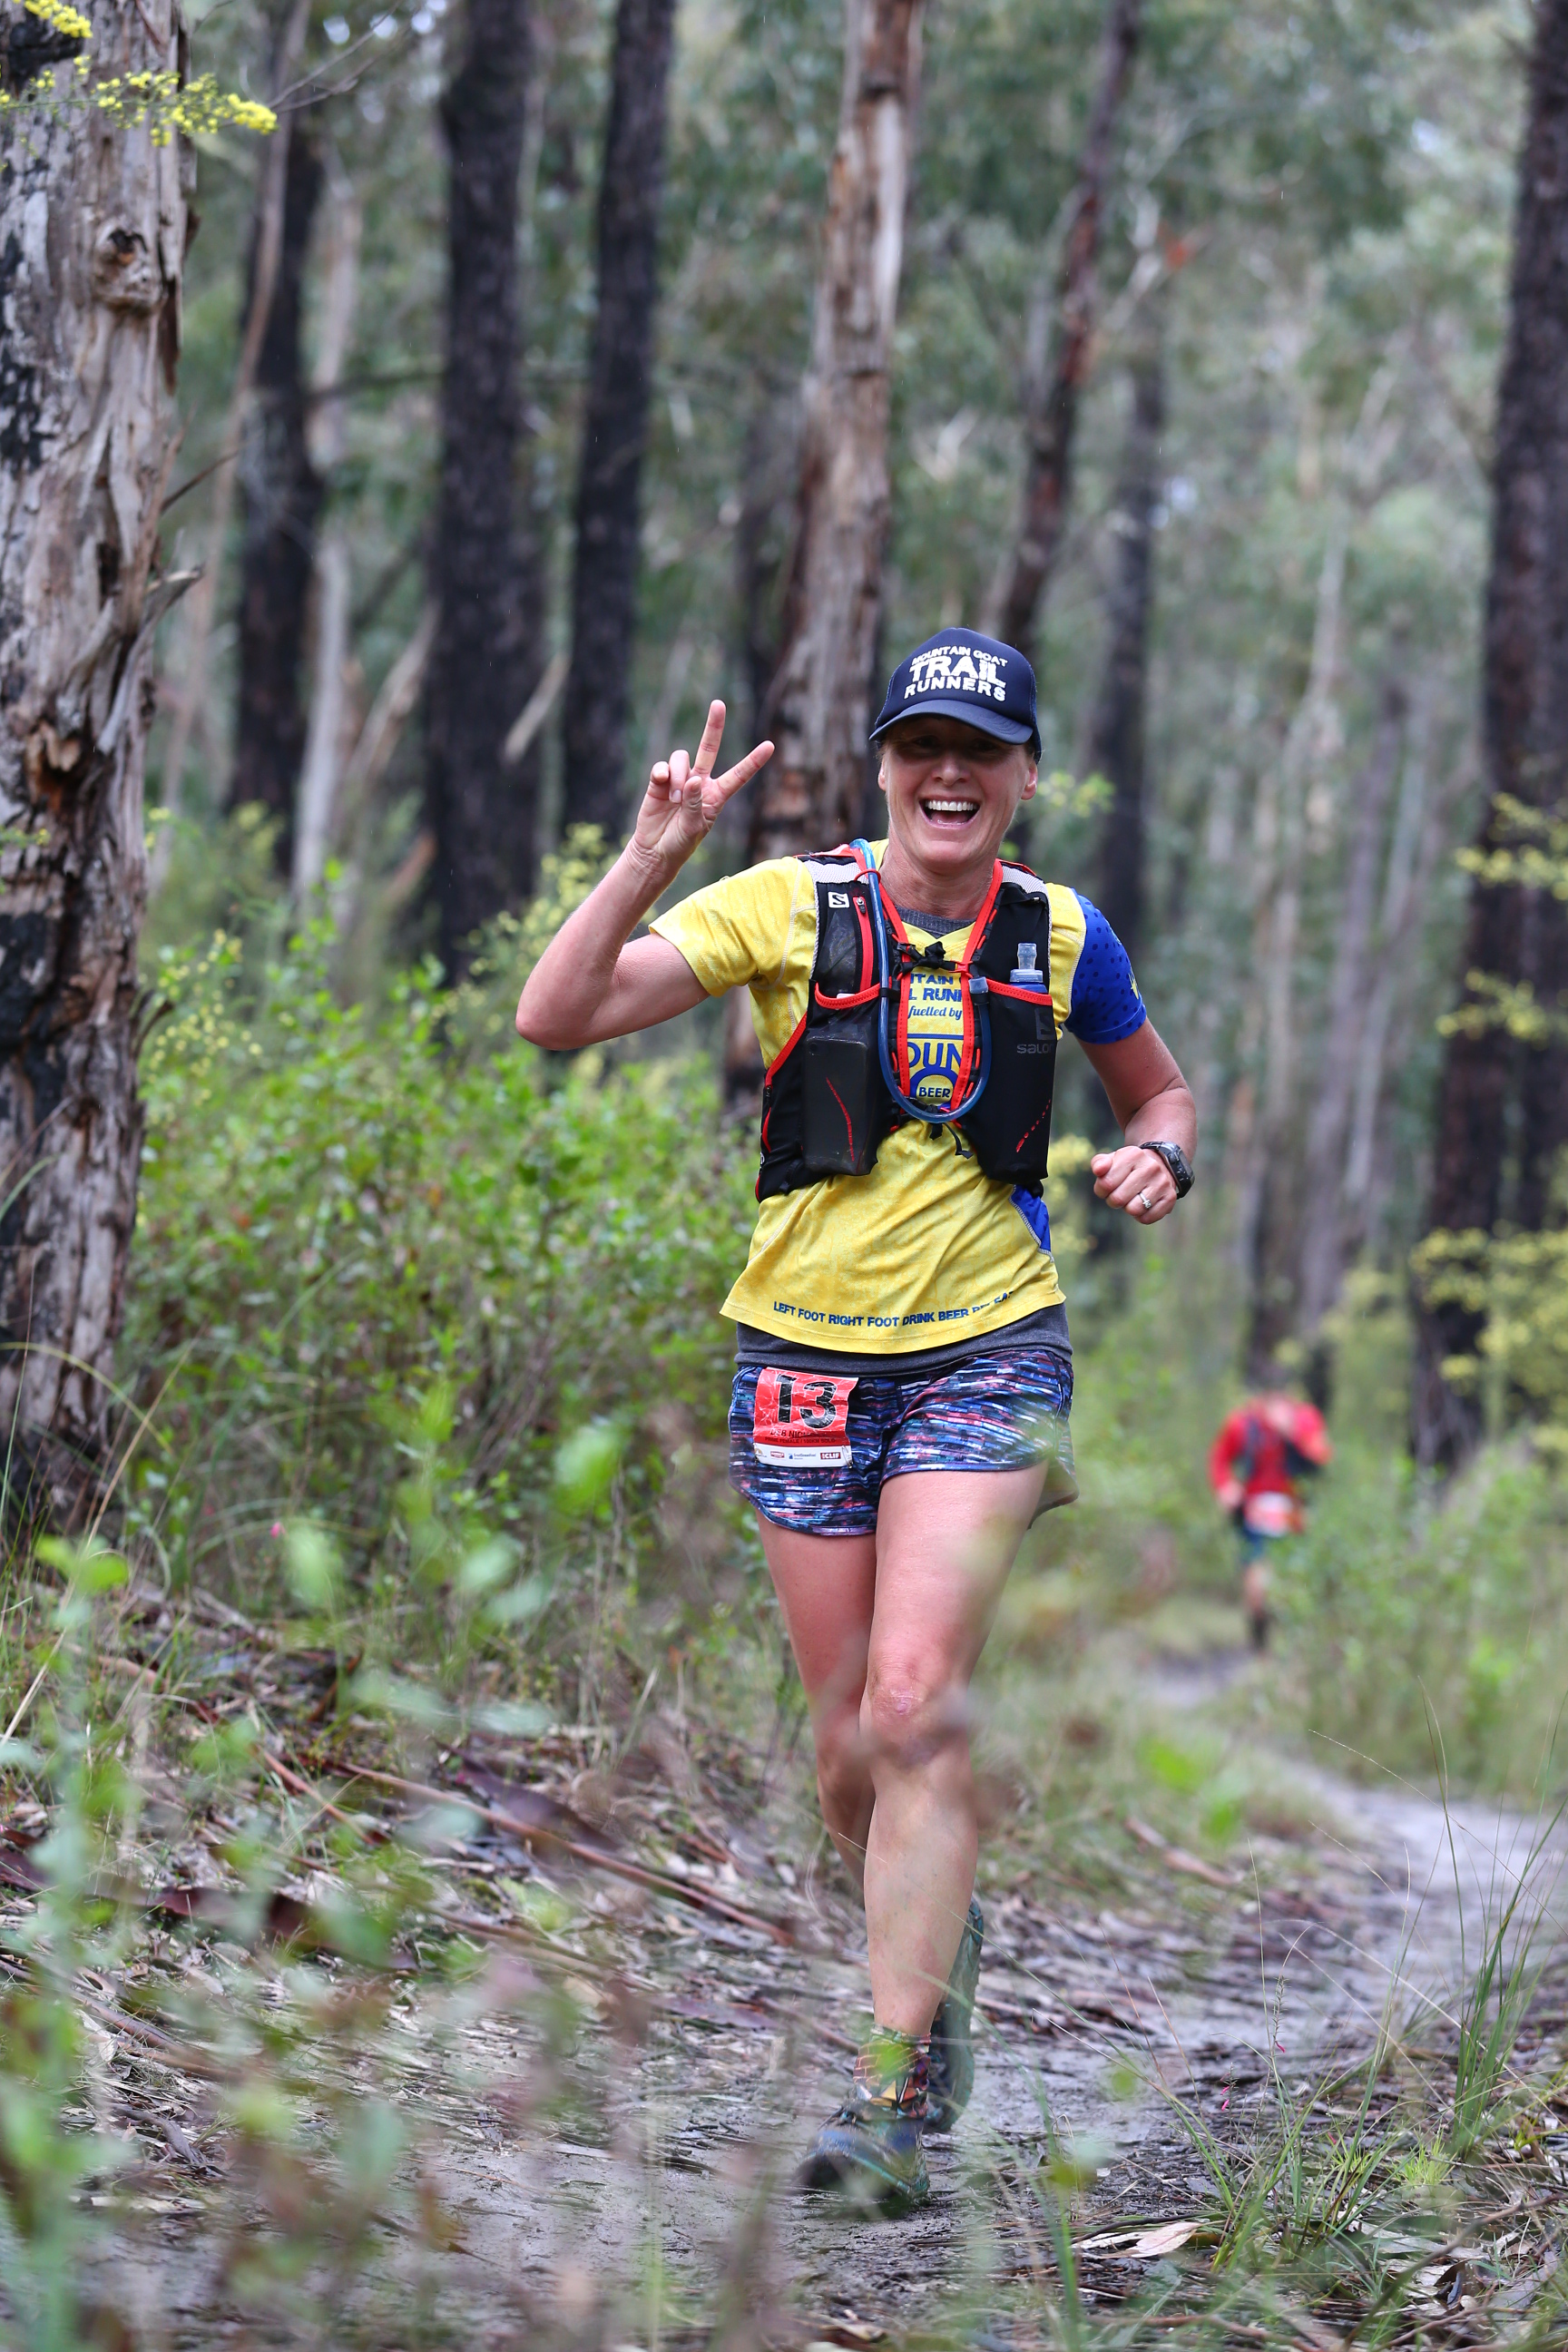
(1151,1100)
(590,983)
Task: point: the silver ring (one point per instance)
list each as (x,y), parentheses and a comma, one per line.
(1148,1203)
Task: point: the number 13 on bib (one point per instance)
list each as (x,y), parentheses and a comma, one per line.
(801,1419)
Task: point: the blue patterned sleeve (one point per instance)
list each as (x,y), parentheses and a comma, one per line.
(1106,1006)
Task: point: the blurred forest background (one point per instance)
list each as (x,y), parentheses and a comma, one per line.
(544,373)
(1262,623)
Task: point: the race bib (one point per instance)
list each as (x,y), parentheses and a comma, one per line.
(801,1419)
(1271,1515)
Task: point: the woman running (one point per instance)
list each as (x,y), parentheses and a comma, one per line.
(899,1412)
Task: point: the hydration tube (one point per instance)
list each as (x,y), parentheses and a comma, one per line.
(927,1113)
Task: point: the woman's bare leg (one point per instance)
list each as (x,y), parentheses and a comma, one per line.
(885,1631)
(945,1543)
(826,1587)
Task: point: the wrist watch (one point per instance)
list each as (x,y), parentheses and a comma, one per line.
(1177,1160)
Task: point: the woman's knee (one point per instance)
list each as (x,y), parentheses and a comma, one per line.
(915,1710)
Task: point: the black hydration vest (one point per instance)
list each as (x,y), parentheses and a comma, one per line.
(827,1104)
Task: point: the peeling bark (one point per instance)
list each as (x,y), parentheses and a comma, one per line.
(817,709)
(1051,418)
(93,222)
(329,736)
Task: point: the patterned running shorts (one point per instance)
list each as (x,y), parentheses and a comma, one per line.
(812,1450)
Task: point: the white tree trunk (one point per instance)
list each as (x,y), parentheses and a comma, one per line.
(818,708)
(92,228)
(324,745)
(818,711)
(325,748)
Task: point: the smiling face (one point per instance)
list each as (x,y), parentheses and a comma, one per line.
(952,793)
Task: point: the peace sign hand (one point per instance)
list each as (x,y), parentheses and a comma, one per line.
(684,796)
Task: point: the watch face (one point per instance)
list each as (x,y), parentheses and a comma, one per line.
(1175,1160)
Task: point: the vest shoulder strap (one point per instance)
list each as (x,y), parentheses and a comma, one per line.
(832,865)
(842,958)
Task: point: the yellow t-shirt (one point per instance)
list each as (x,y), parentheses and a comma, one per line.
(924,1249)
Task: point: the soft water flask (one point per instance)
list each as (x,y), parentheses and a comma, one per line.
(1024,974)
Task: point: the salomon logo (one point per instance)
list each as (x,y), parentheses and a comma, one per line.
(838,897)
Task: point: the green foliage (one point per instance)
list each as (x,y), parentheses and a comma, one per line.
(1517,1283)
(1396,1613)
(168,102)
(414,1302)
(54,2135)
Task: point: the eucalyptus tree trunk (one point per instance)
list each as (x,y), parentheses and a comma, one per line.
(1117,746)
(615,423)
(817,709)
(1050,421)
(93,225)
(1268,1203)
(1325,1225)
(281,496)
(328,744)
(486,659)
(1503,1098)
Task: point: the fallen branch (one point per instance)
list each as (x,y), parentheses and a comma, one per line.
(530,1832)
(1175,1857)
(536,710)
(301,1787)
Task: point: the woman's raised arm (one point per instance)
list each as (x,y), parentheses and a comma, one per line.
(589,983)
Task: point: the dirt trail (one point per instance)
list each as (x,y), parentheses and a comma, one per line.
(659,2192)
(711,2120)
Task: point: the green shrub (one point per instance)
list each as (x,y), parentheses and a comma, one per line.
(1398,1614)
(390,1266)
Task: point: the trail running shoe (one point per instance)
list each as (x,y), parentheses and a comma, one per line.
(952,2051)
(870,2152)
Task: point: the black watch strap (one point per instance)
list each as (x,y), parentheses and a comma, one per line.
(1177,1160)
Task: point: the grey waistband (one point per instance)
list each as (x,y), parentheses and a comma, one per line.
(1048,1327)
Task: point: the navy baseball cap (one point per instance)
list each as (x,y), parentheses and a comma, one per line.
(965,676)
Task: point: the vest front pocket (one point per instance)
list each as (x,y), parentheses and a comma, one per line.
(1010,1127)
(843,1115)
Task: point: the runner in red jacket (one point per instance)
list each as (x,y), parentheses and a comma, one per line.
(1256,1463)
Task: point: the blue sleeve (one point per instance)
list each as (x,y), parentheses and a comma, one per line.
(1106,1006)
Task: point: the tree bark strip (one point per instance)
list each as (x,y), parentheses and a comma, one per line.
(93,227)
(487,656)
(332,716)
(614,426)
(1516,935)
(817,707)
(1267,1199)
(1323,1230)
(1117,743)
(1051,421)
(281,495)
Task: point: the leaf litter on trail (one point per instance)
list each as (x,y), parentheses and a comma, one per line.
(712,1981)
